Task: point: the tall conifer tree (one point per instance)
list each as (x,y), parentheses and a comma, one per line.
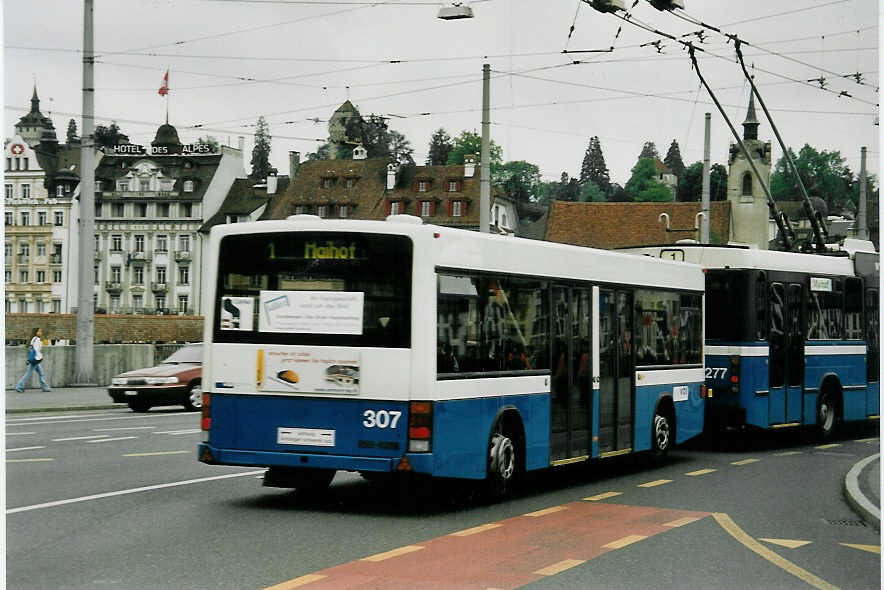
(261,152)
(594,169)
(673,160)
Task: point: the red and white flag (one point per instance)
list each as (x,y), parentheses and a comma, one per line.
(164,89)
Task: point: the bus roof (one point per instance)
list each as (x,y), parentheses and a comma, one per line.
(459,249)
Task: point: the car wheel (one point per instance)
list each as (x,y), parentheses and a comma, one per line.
(139,406)
(194,400)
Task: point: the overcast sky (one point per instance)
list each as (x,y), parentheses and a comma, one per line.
(292,61)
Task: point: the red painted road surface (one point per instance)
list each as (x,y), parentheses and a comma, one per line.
(504,554)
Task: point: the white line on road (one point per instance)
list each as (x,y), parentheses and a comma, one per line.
(117,417)
(129,491)
(18,433)
(80,437)
(100,440)
(24,449)
(123,428)
(188,431)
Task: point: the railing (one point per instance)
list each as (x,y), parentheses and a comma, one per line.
(140,255)
(182,254)
(55,258)
(23,258)
(159,286)
(114,287)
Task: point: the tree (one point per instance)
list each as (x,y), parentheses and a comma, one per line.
(379,141)
(593,168)
(261,152)
(72,132)
(400,149)
(321,153)
(109,136)
(673,159)
(620,194)
(643,184)
(823,173)
(209,141)
(649,150)
(591,193)
(440,147)
(520,180)
(690,185)
(470,142)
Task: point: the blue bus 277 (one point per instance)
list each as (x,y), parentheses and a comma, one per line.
(390,346)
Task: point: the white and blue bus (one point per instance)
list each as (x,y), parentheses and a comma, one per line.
(393,346)
(792,339)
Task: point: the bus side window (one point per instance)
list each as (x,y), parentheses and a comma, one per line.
(853,309)
(761,331)
(873,346)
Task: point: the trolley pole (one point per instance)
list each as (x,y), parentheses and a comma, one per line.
(485,157)
(85,350)
(707,170)
(862,222)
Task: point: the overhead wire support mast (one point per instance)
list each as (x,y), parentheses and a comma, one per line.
(819,231)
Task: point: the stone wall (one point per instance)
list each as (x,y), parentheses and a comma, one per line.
(108,328)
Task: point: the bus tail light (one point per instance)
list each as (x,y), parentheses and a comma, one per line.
(735,374)
(205,416)
(420,427)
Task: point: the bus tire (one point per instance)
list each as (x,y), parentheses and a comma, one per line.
(139,406)
(194,401)
(662,431)
(503,461)
(826,416)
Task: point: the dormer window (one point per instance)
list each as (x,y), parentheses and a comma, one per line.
(122,186)
(188,186)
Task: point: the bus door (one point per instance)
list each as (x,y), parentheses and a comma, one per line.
(615,371)
(786,359)
(571,374)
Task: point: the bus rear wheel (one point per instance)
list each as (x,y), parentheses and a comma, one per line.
(662,434)
(502,463)
(826,415)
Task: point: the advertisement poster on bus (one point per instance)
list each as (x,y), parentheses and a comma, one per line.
(311,312)
(306,370)
(237,313)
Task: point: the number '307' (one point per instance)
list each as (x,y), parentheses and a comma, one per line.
(381,418)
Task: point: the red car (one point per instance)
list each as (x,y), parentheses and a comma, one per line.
(174,381)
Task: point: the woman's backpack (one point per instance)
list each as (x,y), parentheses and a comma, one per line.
(32,355)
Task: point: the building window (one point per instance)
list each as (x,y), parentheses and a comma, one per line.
(162,244)
(116,243)
(95,268)
(8,276)
(41,276)
(23,276)
(161,302)
(138,303)
(166,184)
(344,211)
(747,185)
(40,308)
(326,183)
(97,210)
(186,209)
(115,274)
(56,276)
(25,164)
(396,207)
(42,218)
(117,209)
(41,249)
(139,243)
(350,182)
(182,303)
(453,186)
(7,218)
(122,186)
(25,250)
(184,243)
(25,218)
(56,306)
(140,209)
(163,210)
(23,305)
(321,210)
(301,209)
(161,274)
(188,186)
(59,191)
(8,302)
(98,186)
(97,242)
(8,250)
(427,208)
(115,304)
(26,191)
(457,208)
(10,191)
(422,186)
(144,185)
(138,275)
(59,218)
(183,275)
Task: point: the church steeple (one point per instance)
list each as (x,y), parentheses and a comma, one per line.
(750,125)
(35,101)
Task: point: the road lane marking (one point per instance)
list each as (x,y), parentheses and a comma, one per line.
(476,530)
(123,428)
(188,431)
(829,446)
(655,483)
(129,491)
(561,566)
(111,417)
(18,433)
(603,496)
(94,436)
(788,454)
(392,553)
(745,461)
(628,540)
(545,511)
(869,548)
(700,472)
(790,543)
(866,440)
(156,453)
(683,521)
(24,449)
(103,440)
(740,535)
(29,460)
(297,582)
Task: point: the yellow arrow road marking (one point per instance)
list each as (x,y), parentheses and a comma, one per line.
(869,548)
(790,543)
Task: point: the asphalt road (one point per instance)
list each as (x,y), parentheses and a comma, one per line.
(112,499)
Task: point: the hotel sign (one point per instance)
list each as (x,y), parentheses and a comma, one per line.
(131,149)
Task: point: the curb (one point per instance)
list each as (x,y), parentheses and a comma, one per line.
(857,500)
(63,409)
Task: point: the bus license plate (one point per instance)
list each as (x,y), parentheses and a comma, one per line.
(313,437)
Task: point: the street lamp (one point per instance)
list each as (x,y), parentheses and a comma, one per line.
(455,11)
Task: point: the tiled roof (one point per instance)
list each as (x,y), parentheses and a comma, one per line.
(201,170)
(368,196)
(616,225)
(243,198)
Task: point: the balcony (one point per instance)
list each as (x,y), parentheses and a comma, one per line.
(55,259)
(182,255)
(23,258)
(113,287)
(141,256)
(159,287)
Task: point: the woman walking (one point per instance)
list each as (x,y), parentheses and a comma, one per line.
(35,356)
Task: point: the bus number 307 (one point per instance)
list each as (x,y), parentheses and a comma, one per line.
(381,418)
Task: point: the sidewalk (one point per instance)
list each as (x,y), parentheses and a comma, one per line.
(862,488)
(63,398)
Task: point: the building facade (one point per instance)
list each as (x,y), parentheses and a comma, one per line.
(749,208)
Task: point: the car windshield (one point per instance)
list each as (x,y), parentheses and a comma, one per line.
(186,354)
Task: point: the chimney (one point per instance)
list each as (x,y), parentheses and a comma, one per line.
(294,163)
(271,184)
(242,143)
(392,169)
(469,165)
